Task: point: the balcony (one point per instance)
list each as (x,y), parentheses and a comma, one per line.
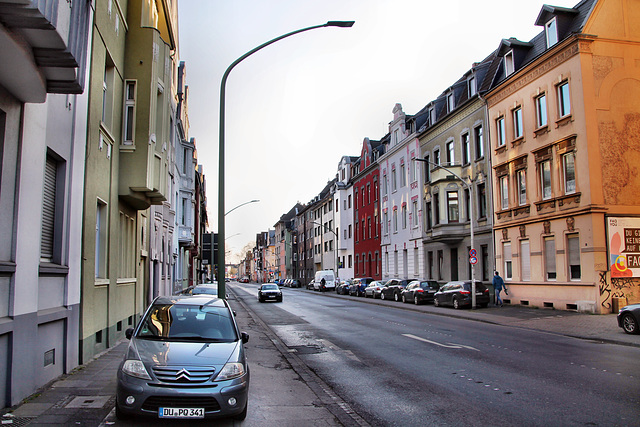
(438,174)
(44,47)
(449,233)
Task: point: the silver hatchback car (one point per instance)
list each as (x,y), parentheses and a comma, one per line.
(186,360)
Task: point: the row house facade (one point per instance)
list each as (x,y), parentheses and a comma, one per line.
(343,207)
(563,154)
(44,57)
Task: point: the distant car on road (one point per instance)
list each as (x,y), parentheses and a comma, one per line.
(269,292)
(629,319)
(420,291)
(343,287)
(458,294)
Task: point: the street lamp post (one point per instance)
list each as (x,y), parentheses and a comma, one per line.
(221,219)
(240,205)
(470,188)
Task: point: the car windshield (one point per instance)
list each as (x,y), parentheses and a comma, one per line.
(269,287)
(188,323)
(206,290)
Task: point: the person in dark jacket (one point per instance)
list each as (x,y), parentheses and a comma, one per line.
(498,286)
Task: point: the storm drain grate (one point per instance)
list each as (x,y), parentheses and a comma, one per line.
(11,420)
(307,349)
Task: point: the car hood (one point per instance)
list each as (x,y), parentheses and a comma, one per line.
(164,353)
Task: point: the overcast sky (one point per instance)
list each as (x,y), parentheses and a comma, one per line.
(296,107)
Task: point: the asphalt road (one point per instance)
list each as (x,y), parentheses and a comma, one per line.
(401,368)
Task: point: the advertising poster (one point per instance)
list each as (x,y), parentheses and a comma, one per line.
(624,246)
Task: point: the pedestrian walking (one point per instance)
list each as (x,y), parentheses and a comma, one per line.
(498,286)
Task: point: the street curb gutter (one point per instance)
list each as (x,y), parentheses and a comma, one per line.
(334,404)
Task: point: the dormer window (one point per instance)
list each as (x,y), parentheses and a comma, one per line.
(450,102)
(551,31)
(471,84)
(509,67)
(432,116)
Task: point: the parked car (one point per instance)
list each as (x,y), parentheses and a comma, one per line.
(244,279)
(420,291)
(358,286)
(373,289)
(296,283)
(458,294)
(324,280)
(343,287)
(311,285)
(393,289)
(269,292)
(186,359)
(629,318)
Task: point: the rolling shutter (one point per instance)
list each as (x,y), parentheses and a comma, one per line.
(48,210)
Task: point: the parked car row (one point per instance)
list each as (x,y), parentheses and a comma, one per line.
(456,293)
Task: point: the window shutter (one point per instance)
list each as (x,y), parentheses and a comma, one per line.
(48,210)
(525,260)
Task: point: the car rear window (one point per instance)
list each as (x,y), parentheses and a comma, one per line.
(188,323)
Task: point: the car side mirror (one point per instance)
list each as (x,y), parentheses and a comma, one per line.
(128,333)
(245,337)
(235,313)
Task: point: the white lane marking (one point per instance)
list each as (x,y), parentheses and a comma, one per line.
(449,345)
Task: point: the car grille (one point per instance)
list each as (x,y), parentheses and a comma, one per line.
(180,375)
(154,402)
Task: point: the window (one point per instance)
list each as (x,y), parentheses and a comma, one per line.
(482,201)
(485,262)
(427,169)
(395,220)
(436,208)
(466,149)
(564,99)
(51,239)
(471,83)
(509,66)
(551,32)
(479,142)
(506,256)
(413,169)
(432,115)
(415,213)
(545,179)
(430,264)
(349,198)
(541,110)
(404,217)
(450,103)
(550,258)
(101,239)
(569,170)
(416,262)
(184,212)
(436,157)
(386,223)
(525,261)
(501,133)
(504,192)
(403,176)
(573,256)
(349,230)
(440,264)
(449,147)
(350,261)
(517,123)
(522,187)
(129,112)
(453,209)
(467,201)
(394,185)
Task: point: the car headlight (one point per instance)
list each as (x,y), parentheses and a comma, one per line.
(135,368)
(231,371)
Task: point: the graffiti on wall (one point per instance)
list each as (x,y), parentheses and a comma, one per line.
(619,287)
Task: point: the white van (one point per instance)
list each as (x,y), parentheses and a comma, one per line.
(329,281)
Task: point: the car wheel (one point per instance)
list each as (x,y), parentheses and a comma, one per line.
(404,299)
(629,324)
(436,303)
(415,300)
(456,303)
(121,415)
(260,300)
(396,297)
(381,295)
(242,415)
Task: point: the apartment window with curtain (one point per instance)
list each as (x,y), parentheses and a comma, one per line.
(385,219)
(564,99)
(504,192)
(466,149)
(569,172)
(436,208)
(453,208)
(550,258)
(506,257)
(479,141)
(525,261)
(501,132)
(436,156)
(518,131)
(522,187)
(541,110)
(129,112)
(395,220)
(573,256)
(428,216)
(545,179)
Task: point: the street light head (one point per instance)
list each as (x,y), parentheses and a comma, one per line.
(344,24)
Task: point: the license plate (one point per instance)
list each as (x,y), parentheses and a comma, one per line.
(271,296)
(478,293)
(181,412)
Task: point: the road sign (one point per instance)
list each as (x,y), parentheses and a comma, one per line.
(473,253)
(473,260)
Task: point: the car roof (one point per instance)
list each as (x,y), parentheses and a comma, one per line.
(188,300)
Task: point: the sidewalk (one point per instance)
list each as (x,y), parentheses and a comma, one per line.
(283,391)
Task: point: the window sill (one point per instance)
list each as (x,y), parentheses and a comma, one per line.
(517,141)
(501,149)
(50,269)
(541,131)
(564,120)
